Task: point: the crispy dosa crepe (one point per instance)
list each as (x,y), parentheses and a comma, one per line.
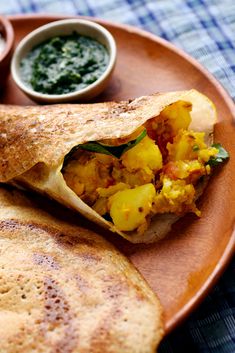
(35,140)
(64,289)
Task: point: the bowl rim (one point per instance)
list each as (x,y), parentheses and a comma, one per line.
(75,94)
(9,36)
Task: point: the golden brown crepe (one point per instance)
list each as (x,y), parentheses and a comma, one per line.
(35,140)
(65,289)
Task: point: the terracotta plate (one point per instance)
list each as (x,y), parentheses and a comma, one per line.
(184,266)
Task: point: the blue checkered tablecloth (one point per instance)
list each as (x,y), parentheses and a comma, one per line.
(206,30)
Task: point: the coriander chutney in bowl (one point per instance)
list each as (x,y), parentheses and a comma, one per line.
(68,60)
(64,64)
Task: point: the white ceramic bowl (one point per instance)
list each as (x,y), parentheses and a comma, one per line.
(65,27)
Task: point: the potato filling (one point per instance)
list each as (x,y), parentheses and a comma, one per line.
(156,175)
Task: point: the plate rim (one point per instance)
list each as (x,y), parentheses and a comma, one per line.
(229,250)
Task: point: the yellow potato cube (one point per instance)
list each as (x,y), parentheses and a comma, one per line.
(129,208)
(186,145)
(145,155)
(178,115)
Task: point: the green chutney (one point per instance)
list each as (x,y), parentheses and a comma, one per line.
(64,64)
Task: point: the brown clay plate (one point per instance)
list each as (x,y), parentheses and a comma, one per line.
(184,266)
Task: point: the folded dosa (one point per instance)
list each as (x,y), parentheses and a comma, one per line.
(35,140)
(64,289)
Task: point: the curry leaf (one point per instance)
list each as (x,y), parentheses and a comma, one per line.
(94,147)
(114,151)
(221,156)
